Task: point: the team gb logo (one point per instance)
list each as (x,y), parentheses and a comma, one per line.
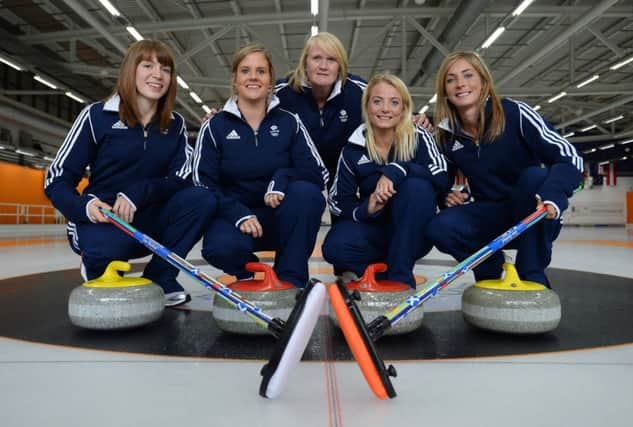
(274,130)
(342,115)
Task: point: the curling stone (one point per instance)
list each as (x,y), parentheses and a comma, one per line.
(115,302)
(271,295)
(511,305)
(378,297)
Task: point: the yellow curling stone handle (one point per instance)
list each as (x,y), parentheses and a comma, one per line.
(510,282)
(112,279)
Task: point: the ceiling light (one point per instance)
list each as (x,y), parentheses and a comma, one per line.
(557,97)
(593,150)
(10,63)
(628,141)
(613,119)
(537,107)
(75,97)
(490,40)
(588,128)
(25,152)
(183,84)
(520,8)
(314,7)
(44,81)
(606,147)
(621,64)
(424,109)
(137,36)
(113,11)
(589,80)
(567,135)
(195,97)
(433,99)
(206,109)
(314,30)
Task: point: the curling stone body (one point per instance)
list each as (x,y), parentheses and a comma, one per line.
(272,296)
(114,302)
(378,297)
(510,305)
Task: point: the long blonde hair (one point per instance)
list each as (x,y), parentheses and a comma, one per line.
(445,110)
(405,142)
(144,50)
(332,46)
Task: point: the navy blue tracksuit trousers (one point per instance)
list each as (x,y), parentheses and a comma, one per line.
(290,230)
(396,237)
(178,225)
(461,231)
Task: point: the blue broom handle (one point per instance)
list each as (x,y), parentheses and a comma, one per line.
(229,295)
(403,309)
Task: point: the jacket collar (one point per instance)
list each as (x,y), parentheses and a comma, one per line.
(336,90)
(358,136)
(113,103)
(231,106)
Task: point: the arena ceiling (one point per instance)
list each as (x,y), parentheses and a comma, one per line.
(552,47)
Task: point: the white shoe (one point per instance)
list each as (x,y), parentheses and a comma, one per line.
(174,299)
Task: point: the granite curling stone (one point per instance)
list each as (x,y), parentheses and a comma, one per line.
(273,296)
(511,305)
(115,302)
(378,297)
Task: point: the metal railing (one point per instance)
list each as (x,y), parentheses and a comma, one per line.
(19,213)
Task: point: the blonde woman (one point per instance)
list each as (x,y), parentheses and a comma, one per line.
(514,161)
(385,187)
(324,95)
(140,162)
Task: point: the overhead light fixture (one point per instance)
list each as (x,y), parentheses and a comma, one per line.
(623,158)
(606,162)
(48,158)
(195,97)
(75,97)
(490,40)
(44,81)
(183,84)
(433,99)
(520,8)
(10,63)
(424,109)
(628,141)
(314,30)
(110,8)
(606,147)
(25,152)
(613,119)
(137,36)
(567,135)
(537,107)
(206,109)
(589,80)
(314,7)
(621,64)
(557,97)
(588,128)
(592,150)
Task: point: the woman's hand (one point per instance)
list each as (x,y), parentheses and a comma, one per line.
(252,226)
(456,198)
(273,199)
(374,204)
(94,210)
(124,209)
(384,190)
(551,210)
(423,121)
